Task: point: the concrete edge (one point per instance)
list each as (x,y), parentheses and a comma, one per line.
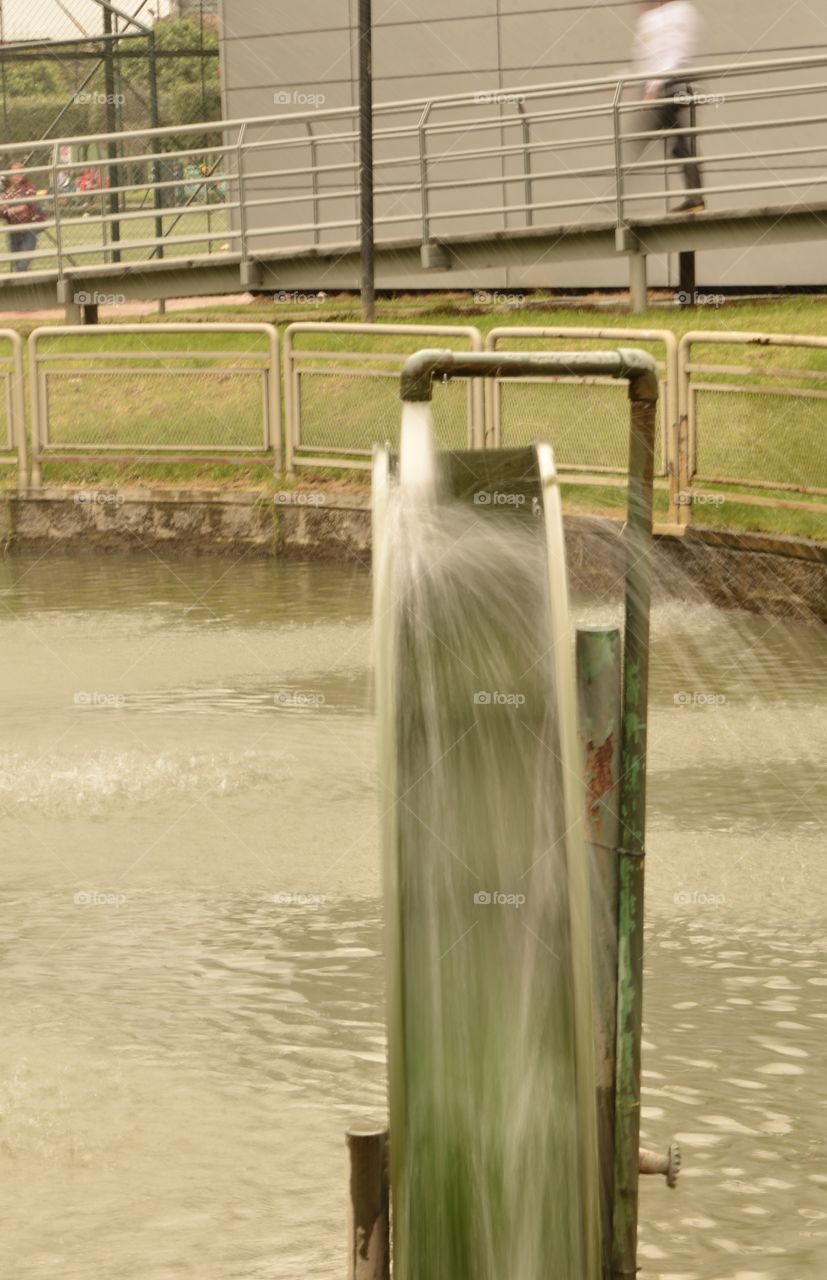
(776,574)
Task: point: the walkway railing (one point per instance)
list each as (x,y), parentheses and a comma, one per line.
(461,164)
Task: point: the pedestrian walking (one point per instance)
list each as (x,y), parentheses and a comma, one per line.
(666,41)
(20,208)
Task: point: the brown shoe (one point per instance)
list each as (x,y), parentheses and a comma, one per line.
(692,204)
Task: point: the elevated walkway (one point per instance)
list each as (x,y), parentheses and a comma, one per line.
(298,267)
(465,185)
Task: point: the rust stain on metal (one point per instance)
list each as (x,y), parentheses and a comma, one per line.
(600,779)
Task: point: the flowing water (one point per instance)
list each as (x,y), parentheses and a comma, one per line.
(485,977)
(193,981)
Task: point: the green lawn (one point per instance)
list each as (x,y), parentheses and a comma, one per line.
(749,436)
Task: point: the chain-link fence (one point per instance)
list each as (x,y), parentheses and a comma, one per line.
(589,436)
(755,409)
(742,418)
(155,393)
(75,107)
(342,391)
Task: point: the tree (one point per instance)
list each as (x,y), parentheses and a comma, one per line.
(41,79)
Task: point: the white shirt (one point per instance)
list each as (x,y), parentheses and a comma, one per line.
(666,41)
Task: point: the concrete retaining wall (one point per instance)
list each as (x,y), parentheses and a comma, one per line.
(777,575)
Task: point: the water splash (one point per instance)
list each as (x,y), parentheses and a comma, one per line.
(486,1144)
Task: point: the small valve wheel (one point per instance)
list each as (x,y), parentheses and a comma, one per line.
(674,1165)
(669,1165)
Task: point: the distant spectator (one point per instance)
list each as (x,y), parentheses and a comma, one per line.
(666,41)
(25,209)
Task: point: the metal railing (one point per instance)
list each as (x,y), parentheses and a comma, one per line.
(743,422)
(503,161)
(754,424)
(592,449)
(13,444)
(131,393)
(341,399)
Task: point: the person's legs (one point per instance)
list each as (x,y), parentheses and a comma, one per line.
(644,119)
(684,145)
(23,242)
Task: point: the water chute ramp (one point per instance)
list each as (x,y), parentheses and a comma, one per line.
(514,1048)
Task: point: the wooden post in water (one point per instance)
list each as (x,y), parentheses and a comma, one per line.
(599,718)
(369,1221)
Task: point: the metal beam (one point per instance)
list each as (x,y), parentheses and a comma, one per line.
(366,161)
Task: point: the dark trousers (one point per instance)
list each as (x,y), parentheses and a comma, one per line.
(677,115)
(22,242)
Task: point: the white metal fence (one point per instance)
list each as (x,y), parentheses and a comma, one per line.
(13,446)
(742,417)
(342,390)
(155,393)
(753,412)
(590,447)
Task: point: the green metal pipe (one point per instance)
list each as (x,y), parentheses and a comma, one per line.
(640,371)
(599,719)
(638,539)
(636,367)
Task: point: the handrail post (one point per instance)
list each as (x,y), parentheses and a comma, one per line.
(618,150)
(314,181)
(528,185)
(242,212)
(158,196)
(56,210)
(423,174)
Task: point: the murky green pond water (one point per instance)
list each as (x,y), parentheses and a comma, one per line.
(191,943)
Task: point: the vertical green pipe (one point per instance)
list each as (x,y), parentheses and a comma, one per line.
(638,539)
(599,718)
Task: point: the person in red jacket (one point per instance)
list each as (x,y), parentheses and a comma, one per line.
(20,207)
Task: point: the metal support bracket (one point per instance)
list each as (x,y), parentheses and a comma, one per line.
(435,257)
(250,274)
(626,240)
